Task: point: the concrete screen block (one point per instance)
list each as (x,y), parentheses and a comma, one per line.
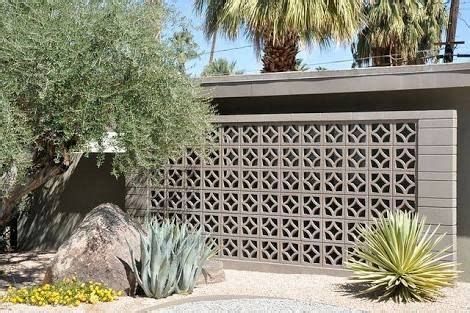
(293,189)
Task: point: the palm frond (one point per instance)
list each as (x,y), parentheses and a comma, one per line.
(314,21)
(405,30)
(220,67)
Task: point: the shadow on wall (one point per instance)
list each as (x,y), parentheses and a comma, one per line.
(62,203)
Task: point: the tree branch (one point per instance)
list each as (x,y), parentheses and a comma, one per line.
(34,181)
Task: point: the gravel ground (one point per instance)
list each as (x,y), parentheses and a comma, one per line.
(23,268)
(315,293)
(252,305)
(308,289)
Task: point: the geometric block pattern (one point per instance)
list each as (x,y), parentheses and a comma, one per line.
(292,193)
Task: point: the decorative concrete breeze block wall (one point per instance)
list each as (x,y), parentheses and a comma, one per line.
(291,189)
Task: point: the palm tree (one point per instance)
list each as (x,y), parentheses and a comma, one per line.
(185,47)
(278,27)
(211,55)
(399,32)
(220,67)
(300,65)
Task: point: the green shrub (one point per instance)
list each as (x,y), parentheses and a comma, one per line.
(172,257)
(395,259)
(93,75)
(67,292)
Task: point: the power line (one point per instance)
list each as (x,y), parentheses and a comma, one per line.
(392,56)
(329,62)
(395,56)
(224,50)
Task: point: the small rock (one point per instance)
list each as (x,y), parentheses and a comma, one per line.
(214,273)
(98,250)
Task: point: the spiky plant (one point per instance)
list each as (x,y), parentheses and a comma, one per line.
(278,27)
(171,258)
(395,259)
(300,65)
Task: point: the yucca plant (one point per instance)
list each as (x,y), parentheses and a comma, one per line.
(395,259)
(172,257)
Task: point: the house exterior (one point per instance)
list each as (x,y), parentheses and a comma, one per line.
(273,128)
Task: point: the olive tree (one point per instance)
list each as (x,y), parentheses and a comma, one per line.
(72,72)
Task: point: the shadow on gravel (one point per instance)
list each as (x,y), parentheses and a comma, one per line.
(355,290)
(22,269)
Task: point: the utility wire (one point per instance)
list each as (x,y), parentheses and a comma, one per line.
(395,56)
(225,50)
(322,63)
(392,56)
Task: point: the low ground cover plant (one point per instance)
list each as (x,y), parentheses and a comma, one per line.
(70,292)
(172,257)
(395,259)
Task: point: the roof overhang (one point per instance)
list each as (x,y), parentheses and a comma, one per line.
(344,81)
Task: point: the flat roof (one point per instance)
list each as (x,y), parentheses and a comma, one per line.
(341,81)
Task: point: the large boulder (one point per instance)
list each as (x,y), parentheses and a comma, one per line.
(98,250)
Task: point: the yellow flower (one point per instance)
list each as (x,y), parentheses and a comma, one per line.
(66,292)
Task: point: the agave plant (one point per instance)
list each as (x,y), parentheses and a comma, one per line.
(395,258)
(172,257)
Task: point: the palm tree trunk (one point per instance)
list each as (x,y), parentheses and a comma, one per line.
(211,56)
(381,56)
(280,53)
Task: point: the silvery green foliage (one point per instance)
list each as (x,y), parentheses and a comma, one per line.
(73,70)
(172,257)
(397,257)
(14,139)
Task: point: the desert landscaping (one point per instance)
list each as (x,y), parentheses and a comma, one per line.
(314,290)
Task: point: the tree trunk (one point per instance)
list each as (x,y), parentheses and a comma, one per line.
(280,53)
(381,56)
(33,182)
(211,56)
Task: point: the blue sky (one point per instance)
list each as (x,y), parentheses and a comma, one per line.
(335,57)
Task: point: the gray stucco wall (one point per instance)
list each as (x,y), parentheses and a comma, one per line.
(61,204)
(433,99)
